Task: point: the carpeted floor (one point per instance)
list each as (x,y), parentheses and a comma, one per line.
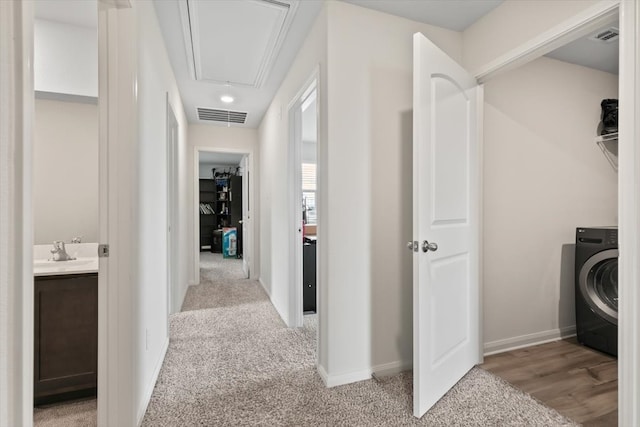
(231,362)
(79,413)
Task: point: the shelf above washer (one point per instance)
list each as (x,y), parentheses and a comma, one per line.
(609,145)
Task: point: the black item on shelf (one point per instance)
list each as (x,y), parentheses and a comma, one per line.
(235,206)
(208,217)
(216,246)
(309,277)
(608,117)
(220,206)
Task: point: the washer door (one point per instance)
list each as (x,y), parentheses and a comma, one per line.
(599,284)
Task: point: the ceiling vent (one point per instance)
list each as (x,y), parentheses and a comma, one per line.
(606,36)
(222,116)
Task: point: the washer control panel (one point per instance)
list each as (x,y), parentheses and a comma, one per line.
(607,236)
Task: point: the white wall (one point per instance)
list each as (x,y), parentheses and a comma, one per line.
(65,171)
(544,176)
(511,24)
(65,58)
(225,139)
(369,170)
(275,221)
(365,101)
(309,152)
(155,80)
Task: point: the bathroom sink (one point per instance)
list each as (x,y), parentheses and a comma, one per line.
(66,264)
(42,267)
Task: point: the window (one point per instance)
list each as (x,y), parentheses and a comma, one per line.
(309,214)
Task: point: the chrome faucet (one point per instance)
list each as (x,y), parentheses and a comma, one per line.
(77,239)
(59,252)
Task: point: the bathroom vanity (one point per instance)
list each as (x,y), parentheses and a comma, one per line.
(65,329)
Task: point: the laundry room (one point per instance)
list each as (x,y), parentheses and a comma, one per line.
(550,168)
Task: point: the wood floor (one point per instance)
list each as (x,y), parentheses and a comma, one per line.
(580,383)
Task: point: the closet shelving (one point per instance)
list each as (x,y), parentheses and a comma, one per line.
(208,219)
(609,145)
(220,206)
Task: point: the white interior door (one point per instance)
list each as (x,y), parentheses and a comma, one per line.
(446,181)
(246,215)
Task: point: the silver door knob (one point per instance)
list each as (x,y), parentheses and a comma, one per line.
(426,246)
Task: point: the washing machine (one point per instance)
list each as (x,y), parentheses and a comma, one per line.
(597,288)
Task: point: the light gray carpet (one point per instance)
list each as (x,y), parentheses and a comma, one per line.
(80,413)
(231,361)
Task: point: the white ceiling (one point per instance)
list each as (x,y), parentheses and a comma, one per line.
(451,14)
(603,56)
(237,50)
(83,13)
(232,38)
(268,49)
(222,159)
(248,32)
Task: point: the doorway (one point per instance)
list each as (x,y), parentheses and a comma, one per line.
(222,196)
(570,32)
(303,167)
(66,190)
(550,208)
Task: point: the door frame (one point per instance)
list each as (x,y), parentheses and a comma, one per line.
(247,248)
(115,403)
(173,129)
(16,234)
(294,114)
(581,24)
(118,132)
(574,28)
(246,214)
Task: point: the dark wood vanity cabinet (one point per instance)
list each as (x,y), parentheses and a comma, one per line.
(66,337)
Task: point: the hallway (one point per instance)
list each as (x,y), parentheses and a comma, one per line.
(232,361)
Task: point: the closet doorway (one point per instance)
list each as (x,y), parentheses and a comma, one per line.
(579,188)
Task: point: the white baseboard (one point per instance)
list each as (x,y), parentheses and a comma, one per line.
(146,398)
(183,295)
(342,379)
(264,286)
(508,344)
(384,370)
(393,368)
(323,374)
(282,317)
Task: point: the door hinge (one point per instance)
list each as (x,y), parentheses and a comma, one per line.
(103,251)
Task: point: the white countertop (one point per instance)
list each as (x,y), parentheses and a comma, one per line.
(86,261)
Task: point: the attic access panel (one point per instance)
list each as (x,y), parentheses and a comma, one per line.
(234,42)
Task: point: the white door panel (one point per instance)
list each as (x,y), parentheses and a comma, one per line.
(246,213)
(446,201)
